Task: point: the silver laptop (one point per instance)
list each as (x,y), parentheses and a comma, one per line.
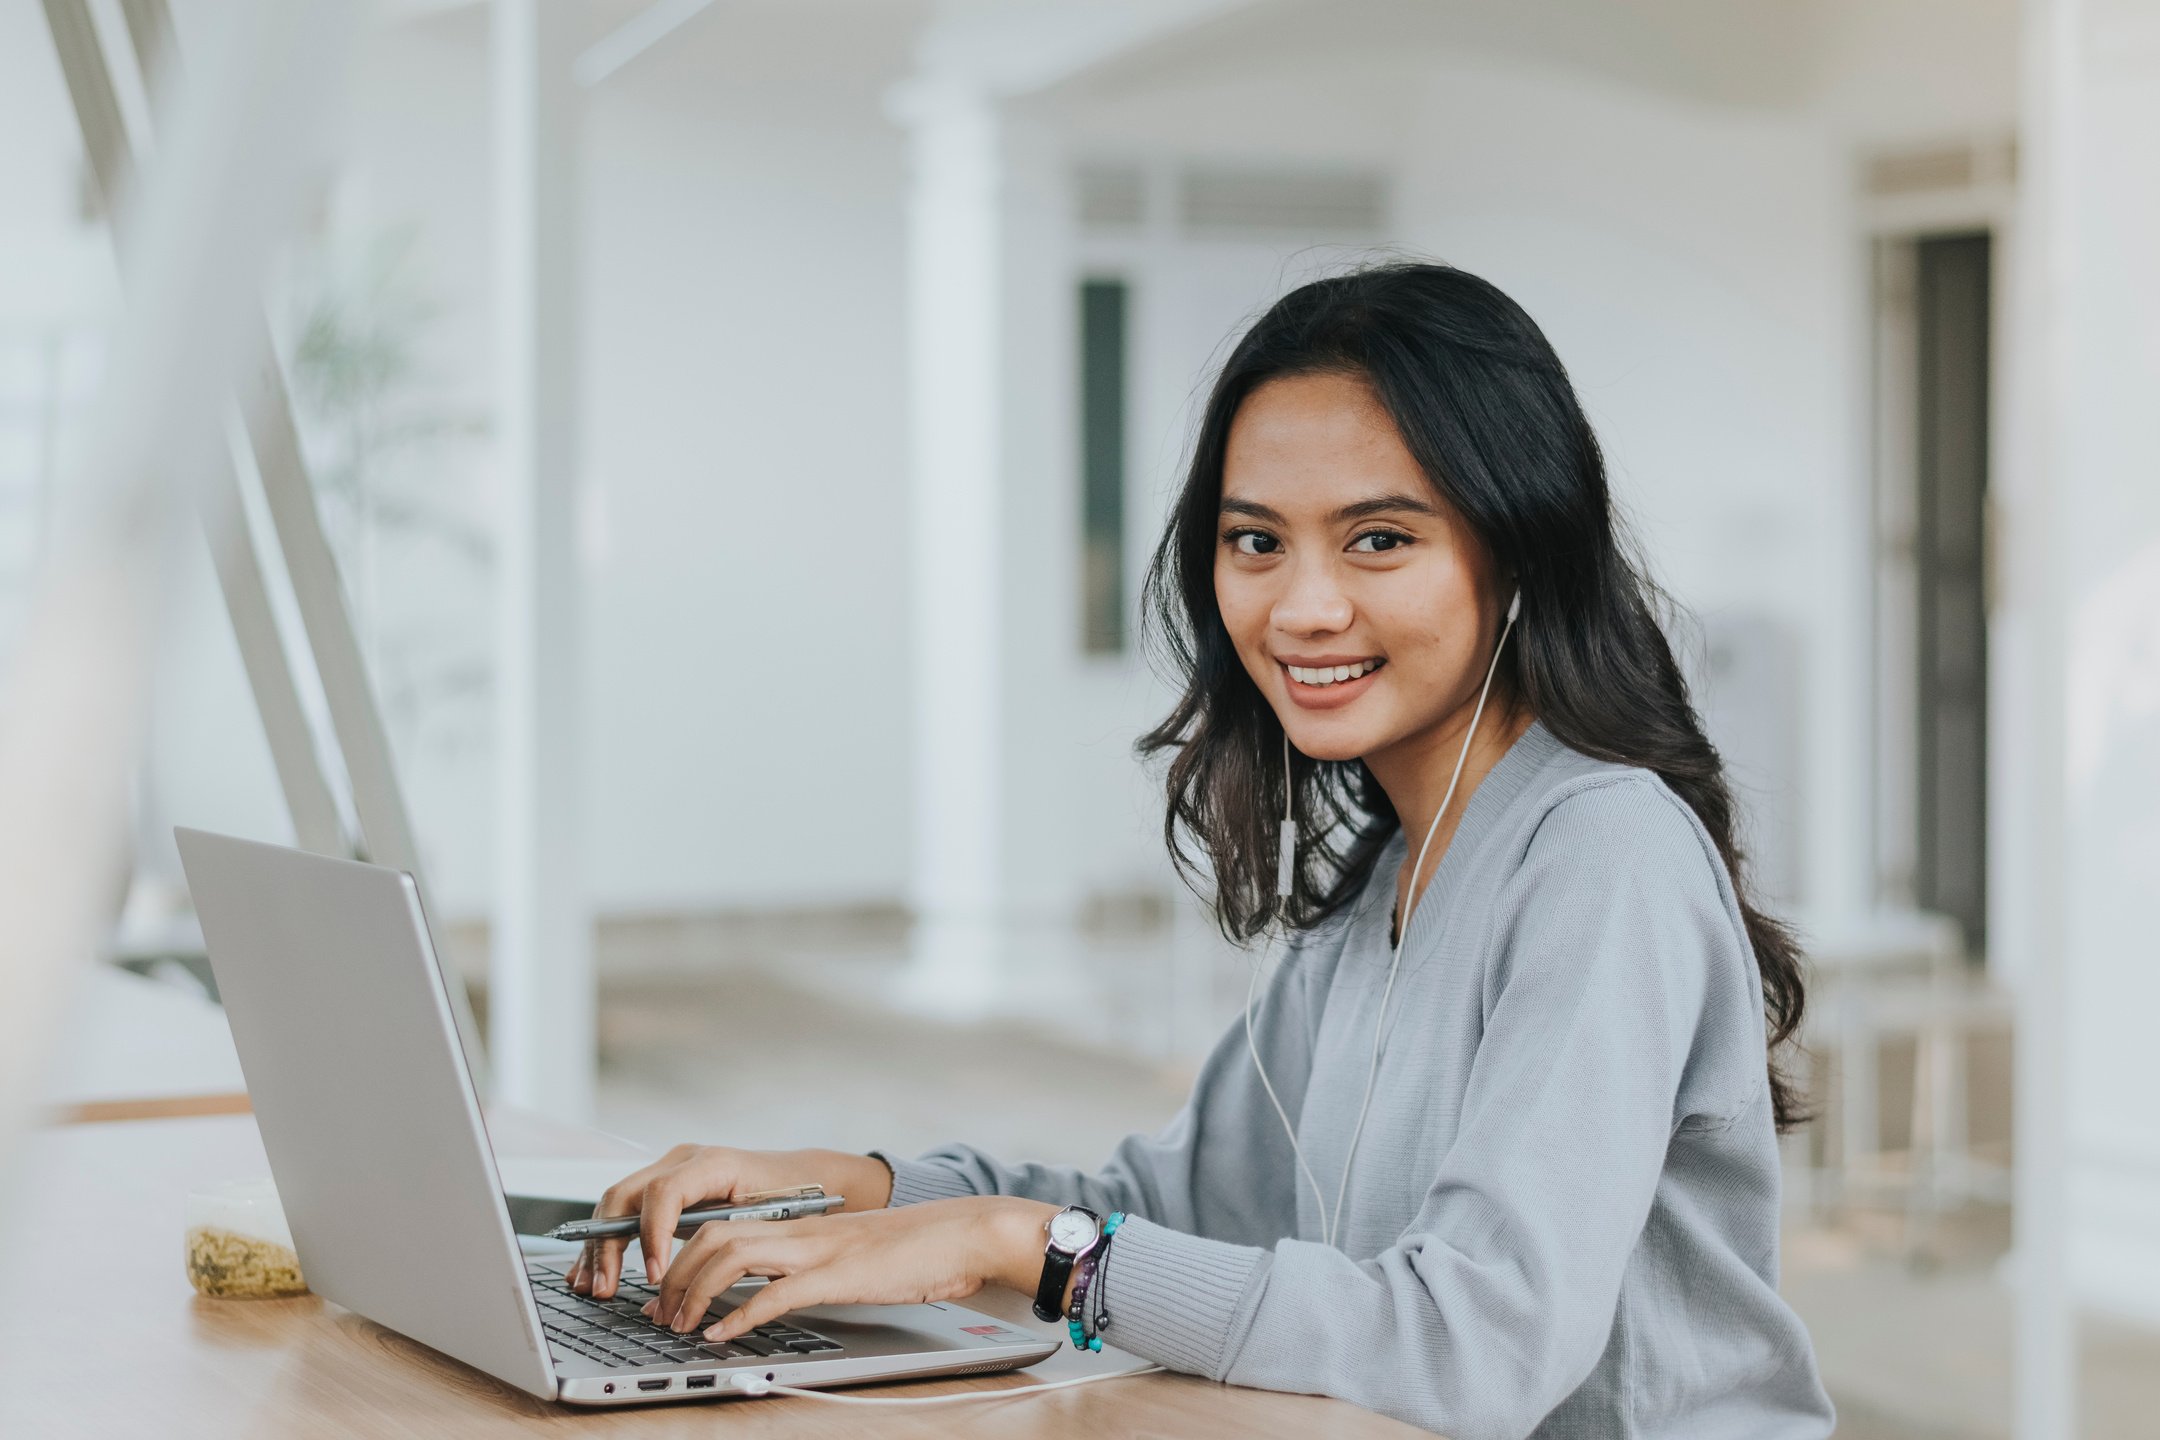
(343,1025)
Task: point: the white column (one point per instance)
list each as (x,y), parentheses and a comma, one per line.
(2085,519)
(955,322)
(2107,473)
(541,966)
(2028,949)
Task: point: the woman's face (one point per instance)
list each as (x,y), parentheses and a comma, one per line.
(1359,602)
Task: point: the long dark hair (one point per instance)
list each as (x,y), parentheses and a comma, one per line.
(1485,406)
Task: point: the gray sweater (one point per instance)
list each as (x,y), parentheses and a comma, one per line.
(1563,1219)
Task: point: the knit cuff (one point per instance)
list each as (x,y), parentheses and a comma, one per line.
(1178,1300)
(914,1181)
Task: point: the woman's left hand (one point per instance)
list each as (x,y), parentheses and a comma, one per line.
(937,1250)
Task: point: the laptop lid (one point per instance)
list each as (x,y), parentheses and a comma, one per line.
(374,1132)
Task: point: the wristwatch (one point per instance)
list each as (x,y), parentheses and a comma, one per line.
(1073,1232)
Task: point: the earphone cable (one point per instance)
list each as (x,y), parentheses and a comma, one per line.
(1285,882)
(1252,984)
(1286,835)
(1411,897)
(754,1384)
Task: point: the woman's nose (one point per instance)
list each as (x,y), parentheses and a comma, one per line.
(1312,603)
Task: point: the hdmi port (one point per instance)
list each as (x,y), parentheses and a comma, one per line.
(660,1384)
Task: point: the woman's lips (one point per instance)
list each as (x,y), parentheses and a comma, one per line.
(1327,697)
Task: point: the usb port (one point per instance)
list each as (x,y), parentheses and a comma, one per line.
(700,1382)
(660,1384)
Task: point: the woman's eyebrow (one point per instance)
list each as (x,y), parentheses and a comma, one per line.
(1250,509)
(1355,510)
(1385,505)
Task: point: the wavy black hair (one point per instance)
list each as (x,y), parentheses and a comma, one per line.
(1484,405)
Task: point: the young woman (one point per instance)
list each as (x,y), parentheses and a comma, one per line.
(1495,1152)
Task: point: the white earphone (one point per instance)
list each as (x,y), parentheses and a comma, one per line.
(1285,869)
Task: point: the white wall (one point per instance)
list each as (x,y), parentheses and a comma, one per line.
(1917,71)
(748,652)
(2106,472)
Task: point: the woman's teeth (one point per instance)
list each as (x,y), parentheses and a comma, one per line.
(1330,674)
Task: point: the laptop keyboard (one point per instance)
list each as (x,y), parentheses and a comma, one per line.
(613,1331)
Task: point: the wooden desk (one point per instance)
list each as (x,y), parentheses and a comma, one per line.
(101,1336)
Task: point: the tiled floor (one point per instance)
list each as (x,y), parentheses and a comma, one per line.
(740,1058)
(1928,1355)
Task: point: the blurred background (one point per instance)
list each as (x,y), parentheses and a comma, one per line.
(740,428)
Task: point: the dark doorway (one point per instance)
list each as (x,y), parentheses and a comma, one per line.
(1103,325)
(1951,278)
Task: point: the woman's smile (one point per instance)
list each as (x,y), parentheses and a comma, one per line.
(1326,682)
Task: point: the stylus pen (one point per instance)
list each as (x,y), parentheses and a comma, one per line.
(625,1226)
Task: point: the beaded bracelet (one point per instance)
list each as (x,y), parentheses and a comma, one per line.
(1102,1290)
(1076,1314)
(1084,1326)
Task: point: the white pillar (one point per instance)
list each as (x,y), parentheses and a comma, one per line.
(2085,530)
(2106,472)
(955,321)
(2030,949)
(541,967)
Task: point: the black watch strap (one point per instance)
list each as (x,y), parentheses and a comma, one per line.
(1050,1294)
(1056,1272)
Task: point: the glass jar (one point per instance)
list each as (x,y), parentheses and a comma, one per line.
(238,1245)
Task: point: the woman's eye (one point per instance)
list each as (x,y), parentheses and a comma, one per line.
(1253,542)
(1374,542)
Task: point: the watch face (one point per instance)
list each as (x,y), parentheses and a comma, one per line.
(1070,1230)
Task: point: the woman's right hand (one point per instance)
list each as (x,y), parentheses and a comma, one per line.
(689,1176)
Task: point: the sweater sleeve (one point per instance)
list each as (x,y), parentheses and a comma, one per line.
(1499,1298)
(1211,1170)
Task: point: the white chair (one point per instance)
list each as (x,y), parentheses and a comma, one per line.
(1878,974)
